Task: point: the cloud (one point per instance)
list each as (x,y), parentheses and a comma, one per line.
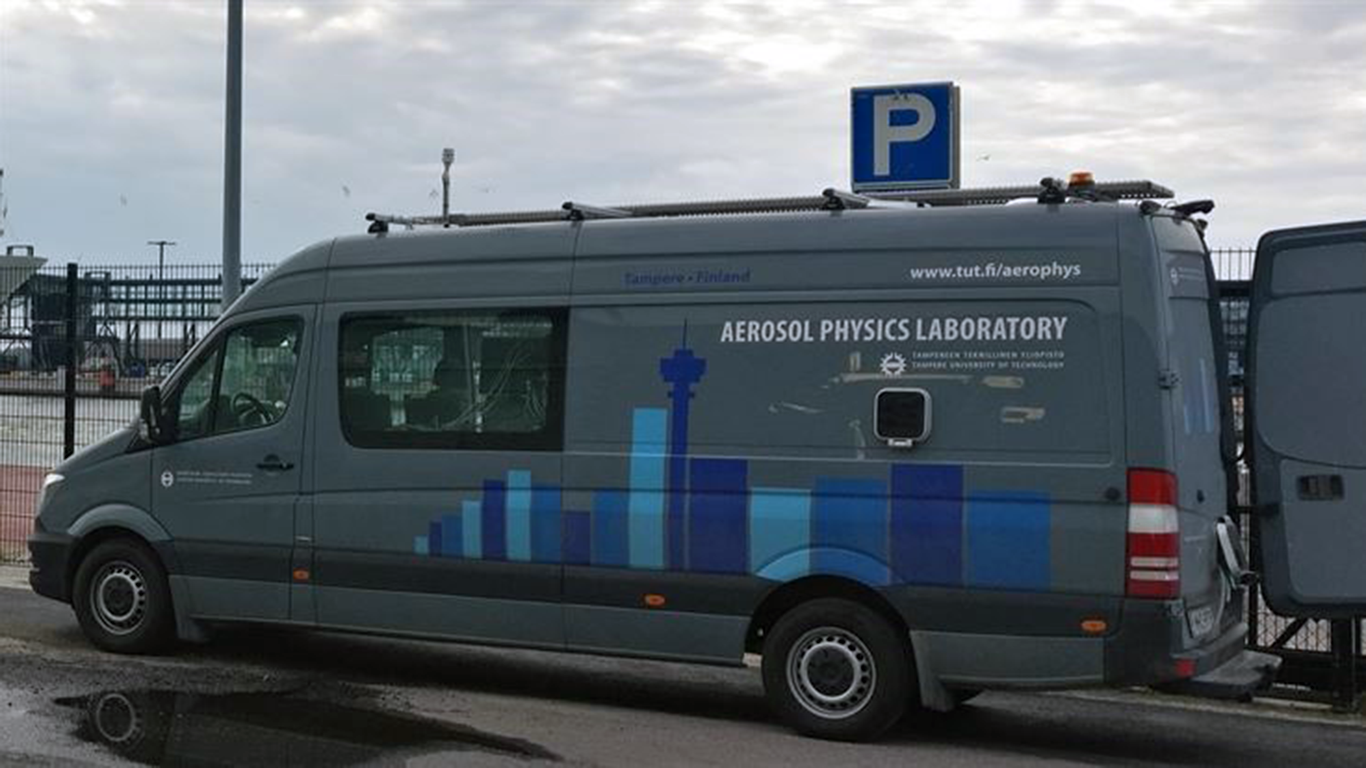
(1258,106)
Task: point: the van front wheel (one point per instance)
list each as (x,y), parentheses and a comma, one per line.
(121,598)
(834,669)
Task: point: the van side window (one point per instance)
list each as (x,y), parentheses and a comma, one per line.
(462,379)
(257,375)
(242,382)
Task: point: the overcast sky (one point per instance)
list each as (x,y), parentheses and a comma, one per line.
(111,113)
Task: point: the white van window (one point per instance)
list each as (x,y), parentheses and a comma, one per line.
(242,382)
(453,379)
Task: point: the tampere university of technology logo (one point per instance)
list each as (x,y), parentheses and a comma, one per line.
(892,364)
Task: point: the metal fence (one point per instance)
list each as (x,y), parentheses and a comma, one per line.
(77,345)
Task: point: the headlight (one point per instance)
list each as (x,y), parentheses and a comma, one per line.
(50,482)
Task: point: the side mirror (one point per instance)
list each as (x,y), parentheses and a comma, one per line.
(150,414)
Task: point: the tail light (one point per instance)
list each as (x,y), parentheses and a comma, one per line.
(1153,563)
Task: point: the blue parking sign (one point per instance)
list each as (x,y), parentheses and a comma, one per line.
(904,137)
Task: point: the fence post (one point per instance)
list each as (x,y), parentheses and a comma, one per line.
(1346,646)
(69,386)
(1255,599)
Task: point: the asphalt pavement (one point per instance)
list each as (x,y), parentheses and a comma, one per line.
(269,696)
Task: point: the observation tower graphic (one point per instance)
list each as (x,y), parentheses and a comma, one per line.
(682,371)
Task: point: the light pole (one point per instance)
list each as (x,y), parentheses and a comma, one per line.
(232,160)
(161,279)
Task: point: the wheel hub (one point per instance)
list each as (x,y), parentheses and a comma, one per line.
(831,672)
(118,598)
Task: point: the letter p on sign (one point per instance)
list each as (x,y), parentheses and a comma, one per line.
(884,132)
(904,137)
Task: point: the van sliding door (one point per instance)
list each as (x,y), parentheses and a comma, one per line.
(437,507)
(1306,394)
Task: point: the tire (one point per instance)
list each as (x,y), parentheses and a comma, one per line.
(121,598)
(834,669)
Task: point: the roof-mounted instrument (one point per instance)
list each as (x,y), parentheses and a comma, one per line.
(839,200)
(1051,191)
(581,211)
(1193,207)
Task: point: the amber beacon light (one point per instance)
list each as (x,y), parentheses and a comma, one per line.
(1081,179)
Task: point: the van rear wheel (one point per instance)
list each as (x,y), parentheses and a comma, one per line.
(121,598)
(835,669)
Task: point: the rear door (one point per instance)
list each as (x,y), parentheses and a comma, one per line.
(1306,392)
(1194,381)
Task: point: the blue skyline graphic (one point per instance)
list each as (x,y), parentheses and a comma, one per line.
(675,511)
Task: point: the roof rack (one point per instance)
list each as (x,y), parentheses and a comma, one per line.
(1047,191)
(1139,189)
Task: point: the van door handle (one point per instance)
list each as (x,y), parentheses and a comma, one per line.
(274,464)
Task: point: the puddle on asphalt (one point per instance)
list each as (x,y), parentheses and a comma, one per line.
(175,728)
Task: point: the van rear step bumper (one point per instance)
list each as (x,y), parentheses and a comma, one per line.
(1237,678)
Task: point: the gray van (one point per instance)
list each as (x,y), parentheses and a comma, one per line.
(904,452)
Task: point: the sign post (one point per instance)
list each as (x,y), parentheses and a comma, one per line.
(905,137)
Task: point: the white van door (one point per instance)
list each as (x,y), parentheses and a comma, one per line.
(1306,406)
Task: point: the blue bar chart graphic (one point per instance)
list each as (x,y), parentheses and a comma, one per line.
(674,511)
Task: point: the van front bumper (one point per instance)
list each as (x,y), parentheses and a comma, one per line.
(50,554)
